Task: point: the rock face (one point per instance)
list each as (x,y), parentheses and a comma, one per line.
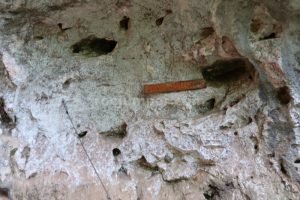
(74,123)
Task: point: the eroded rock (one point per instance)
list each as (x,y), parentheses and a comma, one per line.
(236,139)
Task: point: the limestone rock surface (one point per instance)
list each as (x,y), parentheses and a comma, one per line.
(71,67)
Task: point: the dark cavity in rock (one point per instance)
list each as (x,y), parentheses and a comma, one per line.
(60,26)
(283,95)
(116,152)
(93,46)
(4,193)
(225,70)
(212,193)
(67,83)
(82,134)
(282,167)
(297,161)
(207,106)
(4,117)
(210,104)
(159,21)
(119,131)
(207,31)
(124,23)
(271,36)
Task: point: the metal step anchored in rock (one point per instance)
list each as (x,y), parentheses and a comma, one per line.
(150,89)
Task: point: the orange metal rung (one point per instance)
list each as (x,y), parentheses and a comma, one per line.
(174,86)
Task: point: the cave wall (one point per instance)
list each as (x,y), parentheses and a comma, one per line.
(78,67)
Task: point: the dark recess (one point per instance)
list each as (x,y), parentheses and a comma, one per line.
(282,167)
(159,21)
(210,103)
(207,31)
(283,95)
(4,193)
(38,37)
(297,161)
(207,106)
(271,36)
(123,170)
(124,23)
(82,134)
(4,117)
(67,83)
(225,70)
(116,152)
(119,131)
(94,46)
(250,120)
(60,26)
(212,193)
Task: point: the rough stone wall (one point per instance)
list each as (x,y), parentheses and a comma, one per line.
(236,139)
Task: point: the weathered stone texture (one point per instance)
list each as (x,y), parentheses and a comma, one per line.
(238,138)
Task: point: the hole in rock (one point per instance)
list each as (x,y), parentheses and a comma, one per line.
(207,106)
(207,31)
(250,120)
(38,37)
(229,184)
(282,167)
(255,142)
(123,170)
(235,133)
(60,26)
(271,36)
(168,11)
(116,152)
(159,21)
(94,46)
(226,70)
(4,193)
(82,134)
(67,83)
(210,104)
(297,160)
(283,95)
(119,131)
(4,117)
(124,23)
(13,151)
(212,193)
(232,103)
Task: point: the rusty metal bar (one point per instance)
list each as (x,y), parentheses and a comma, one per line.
(174,86)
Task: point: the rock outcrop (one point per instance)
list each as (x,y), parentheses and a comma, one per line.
(74,123)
